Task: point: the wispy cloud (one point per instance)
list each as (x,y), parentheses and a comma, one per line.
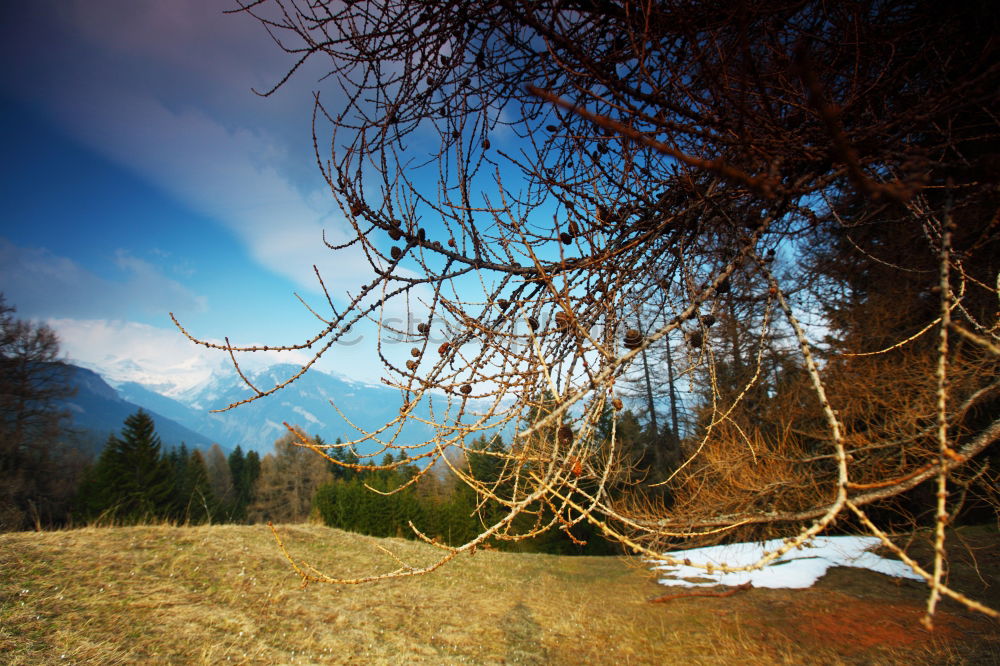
(161,358)
(163,89)
(42,284)
(223,173)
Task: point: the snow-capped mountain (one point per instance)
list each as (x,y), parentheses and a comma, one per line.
(100,407)
(169,380)
(97,410)
(305,403)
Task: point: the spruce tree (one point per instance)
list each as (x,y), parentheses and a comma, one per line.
(251,473)
(200,501)
(93,498)
(237,470)
(244,470)
(137,480)
(177,461)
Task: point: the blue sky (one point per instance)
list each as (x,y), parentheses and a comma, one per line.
(142,176)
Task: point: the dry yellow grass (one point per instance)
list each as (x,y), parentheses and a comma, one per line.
(224,594)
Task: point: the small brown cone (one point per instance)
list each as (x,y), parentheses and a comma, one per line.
(565,434)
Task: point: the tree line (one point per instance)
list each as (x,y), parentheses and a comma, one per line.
(48,477)
(385,502)
(47,480)
(135,480)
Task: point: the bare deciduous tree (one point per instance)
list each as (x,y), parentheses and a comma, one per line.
(594,160)
(288,480)
(38,471)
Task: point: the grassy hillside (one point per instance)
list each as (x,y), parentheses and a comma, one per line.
(224,594)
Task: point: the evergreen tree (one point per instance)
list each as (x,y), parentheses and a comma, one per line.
(177,460)
(193,498)
(344,455)
(251,474)
(221,481)
(244,470)
(237,464)
(237,471)
(94,500)
(200,503)
(132,480)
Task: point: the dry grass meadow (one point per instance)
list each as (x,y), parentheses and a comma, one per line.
(224,594)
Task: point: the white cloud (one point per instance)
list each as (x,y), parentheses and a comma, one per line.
(163,359)
(163,89)
(223,173)
(124,351)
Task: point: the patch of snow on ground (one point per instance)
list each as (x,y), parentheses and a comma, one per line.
(795,569)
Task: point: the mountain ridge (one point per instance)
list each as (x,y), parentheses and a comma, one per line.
(97,410)
(305,403)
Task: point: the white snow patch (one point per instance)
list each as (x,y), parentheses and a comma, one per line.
(307,415)
(795,569)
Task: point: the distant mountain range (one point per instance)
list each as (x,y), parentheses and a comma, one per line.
(100,407)
(97,410)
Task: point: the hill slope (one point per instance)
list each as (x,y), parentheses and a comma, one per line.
(225,594)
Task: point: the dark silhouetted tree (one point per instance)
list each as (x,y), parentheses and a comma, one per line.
(132,480)
(38,472)
(244,471)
